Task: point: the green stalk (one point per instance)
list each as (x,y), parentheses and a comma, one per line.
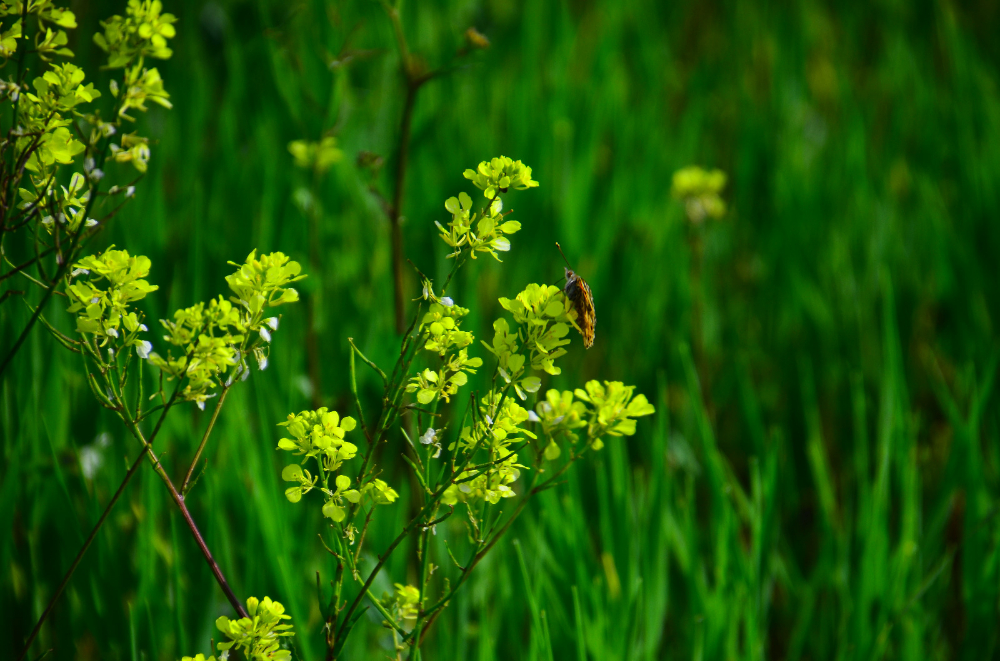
(484,548)
(204,439)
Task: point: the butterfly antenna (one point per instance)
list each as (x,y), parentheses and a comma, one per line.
(564,256)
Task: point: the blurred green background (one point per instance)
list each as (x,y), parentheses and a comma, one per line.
(820,480)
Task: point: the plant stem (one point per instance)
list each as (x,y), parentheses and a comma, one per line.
(481,552)
(381,561)
(192,526)
(415,79)
(133,428)
(18,269)
(385,380)
(354,391)
(204,440)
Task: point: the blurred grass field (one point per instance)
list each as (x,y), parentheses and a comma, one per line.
(820,480)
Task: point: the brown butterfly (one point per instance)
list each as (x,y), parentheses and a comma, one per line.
(578,292)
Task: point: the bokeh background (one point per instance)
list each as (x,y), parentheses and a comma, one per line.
(820,480)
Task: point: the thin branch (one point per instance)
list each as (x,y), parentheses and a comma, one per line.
(436,609)
(354,391)
(21,267)
(204,439)
(368,362)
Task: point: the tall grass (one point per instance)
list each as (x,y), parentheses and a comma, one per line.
(821,479)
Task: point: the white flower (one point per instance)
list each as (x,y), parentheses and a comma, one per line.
(447,302)
(261,357)
(97,174)
(90,223)
(532,416)
(112,332)
(241,372)
(201,404)
(265,334)
(76,272)
(272,322)
(489,420)
(430,437)
(143,347)
(130,191)
(142,327)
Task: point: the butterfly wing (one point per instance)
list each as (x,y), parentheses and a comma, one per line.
(578,292)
